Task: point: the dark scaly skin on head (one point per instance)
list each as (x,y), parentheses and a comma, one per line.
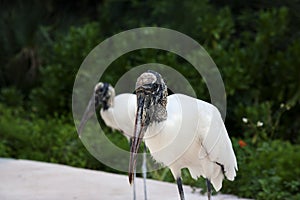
(103,96)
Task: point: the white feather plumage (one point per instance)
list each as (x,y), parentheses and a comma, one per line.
(193,136)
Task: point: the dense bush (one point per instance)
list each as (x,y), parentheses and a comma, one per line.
(48,139)
(62,62)
(251,51)
(266,171)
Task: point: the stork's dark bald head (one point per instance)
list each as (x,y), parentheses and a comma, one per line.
(104,94)
(152,83)
(150,80)
(145,79)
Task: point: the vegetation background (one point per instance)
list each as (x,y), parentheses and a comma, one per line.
(255,44)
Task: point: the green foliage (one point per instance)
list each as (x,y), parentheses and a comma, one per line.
(262,121)
(11,96)
(266,171)
(58,75)
(49,139)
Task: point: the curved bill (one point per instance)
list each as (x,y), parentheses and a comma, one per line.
(88,113)
(139,131)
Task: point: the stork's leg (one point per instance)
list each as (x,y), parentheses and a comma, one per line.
(133,186)
(144,169)
(208,184)
(180,189)
(134,174)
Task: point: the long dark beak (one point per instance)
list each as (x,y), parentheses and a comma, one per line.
(139,131)
(88,113)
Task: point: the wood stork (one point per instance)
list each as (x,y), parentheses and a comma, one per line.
(112,113)
(181,132)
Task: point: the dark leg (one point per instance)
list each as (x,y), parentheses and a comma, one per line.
(180,189)
(208,184)
(144,169)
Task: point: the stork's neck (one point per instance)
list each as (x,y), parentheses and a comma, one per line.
(159,113)
(105,106)
(109,103)
(159,109)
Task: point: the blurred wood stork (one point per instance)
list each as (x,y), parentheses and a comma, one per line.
(181,132)
(113,114)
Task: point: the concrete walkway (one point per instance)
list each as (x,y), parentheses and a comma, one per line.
(31,180)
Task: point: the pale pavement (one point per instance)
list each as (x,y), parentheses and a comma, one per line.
(32,180)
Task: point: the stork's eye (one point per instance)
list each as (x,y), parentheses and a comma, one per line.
(99,90)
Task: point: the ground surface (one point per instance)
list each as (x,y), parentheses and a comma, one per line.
(31,180)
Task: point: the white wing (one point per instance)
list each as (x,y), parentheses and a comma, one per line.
(219,147)
(193,136)
(215,146)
